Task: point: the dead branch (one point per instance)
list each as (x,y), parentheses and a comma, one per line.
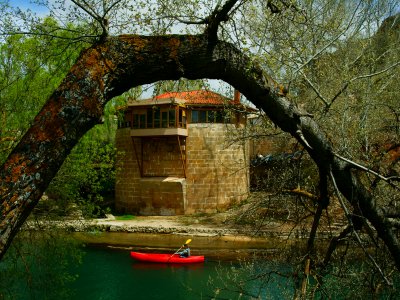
(303,193)
(334,243)
(347,83)
(394,222)
(361,167)
(349,218)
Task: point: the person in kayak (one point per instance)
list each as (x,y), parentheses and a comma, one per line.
(185,252)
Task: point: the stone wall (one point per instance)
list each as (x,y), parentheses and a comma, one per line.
(127,186)
(160,195)
(164,196)
(162,157)
(217,174)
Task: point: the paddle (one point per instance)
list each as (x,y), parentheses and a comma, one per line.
(187,242)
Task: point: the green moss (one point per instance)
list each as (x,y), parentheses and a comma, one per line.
(124,217)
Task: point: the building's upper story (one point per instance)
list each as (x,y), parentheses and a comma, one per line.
(171,113)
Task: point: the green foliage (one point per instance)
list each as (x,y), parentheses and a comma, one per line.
(253,279)
(39,265)
(124,217)
(179,85)
(353,279)
(31,67)
(87,177)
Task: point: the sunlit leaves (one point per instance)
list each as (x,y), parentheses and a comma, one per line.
(30,69)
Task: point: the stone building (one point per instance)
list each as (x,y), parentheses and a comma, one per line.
(175,155)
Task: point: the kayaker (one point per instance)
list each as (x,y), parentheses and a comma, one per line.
(185,252)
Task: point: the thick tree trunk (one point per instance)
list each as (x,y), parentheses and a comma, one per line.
(111,67)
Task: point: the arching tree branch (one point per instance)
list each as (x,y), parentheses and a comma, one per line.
(117,64)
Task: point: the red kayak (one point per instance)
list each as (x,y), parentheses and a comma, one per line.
(166,258)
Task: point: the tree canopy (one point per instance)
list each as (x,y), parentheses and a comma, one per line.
(323,71)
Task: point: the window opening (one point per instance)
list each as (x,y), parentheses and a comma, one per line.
(135,121)
(164,119)
(171,118)
(150,118)
(202,116)
(142,121)
(210,116)
(156,111)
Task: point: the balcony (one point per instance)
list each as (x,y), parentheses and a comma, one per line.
(159,132)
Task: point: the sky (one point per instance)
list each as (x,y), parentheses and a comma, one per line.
(27,4)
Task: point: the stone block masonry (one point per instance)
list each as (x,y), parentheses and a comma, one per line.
(217,174)
(163,196)
(127,186)
(162,157)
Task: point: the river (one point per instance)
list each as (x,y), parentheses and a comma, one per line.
(111,274)
(43,265)
(49,270)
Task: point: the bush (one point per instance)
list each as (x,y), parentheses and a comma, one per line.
(87,178)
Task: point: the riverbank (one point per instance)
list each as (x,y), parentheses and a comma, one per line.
(206,226)
(214,234)
(240,223)
(177,225)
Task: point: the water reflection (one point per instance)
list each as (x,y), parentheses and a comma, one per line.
(157,266)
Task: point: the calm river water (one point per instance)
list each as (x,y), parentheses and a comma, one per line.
(48,268)
(112,274)
(43,266)
(107,273)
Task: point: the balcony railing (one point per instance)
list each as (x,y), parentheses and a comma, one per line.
(159,132)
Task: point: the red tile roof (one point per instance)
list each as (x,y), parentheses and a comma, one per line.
(196,97)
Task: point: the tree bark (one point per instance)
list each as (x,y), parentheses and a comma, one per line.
(117,64)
